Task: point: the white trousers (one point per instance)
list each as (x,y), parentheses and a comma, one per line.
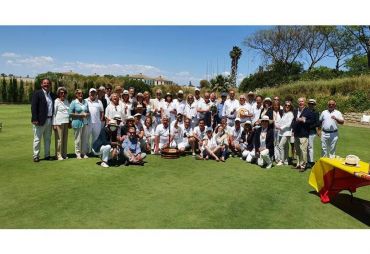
(40,132)
(284,148)
(248,155)
(93,131)
(104,152)
(264,158)
(276,145)
(311,139)
(328,144)
(80,140)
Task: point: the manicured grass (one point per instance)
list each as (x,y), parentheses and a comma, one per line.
(182,193)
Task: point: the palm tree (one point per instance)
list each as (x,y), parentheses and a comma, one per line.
(220,83)
(235,55)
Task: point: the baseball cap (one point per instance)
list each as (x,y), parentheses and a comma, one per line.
(237,119)
(101,88)
(223,94)
(130,118)
(117,117)
(209,129)
(180,92)
(92,90)
(125,92)
(267,99)
(197,89)
(112,122)
(137,114)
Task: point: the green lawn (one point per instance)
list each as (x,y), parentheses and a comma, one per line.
(182,193)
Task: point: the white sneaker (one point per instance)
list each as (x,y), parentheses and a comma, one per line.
(78,156)
(269,166)
(279,163)
(60,158)
(104,165)
(85,156)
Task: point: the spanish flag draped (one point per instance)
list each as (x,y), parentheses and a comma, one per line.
(330,176)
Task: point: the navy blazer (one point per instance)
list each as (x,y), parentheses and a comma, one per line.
(269,140)
(300,129)
(39,106)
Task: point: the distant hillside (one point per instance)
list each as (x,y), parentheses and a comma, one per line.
(352,94)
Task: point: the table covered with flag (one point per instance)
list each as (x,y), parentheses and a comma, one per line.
(330,176)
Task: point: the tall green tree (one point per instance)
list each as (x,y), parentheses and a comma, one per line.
(315,44)
(15,90)
(4,91)
(235,55)
(341,42)
(283,44)
(362,35)
(357,64)
(21,91)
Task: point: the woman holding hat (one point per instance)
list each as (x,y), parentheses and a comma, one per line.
(264,143)
(60,123)
(79,111)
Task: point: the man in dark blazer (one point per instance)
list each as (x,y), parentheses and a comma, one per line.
(42,109)
(301,126)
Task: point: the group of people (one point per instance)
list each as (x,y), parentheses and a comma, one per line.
(125,126)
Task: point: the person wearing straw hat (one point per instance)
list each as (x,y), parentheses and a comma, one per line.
(329,119)
(246,142)
(315,125)
(250,98)
(106,144)
(96,117)
(267,108)
(264,143)
(61,123)
(301,128)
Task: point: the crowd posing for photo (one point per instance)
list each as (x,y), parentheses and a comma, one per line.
(122,126)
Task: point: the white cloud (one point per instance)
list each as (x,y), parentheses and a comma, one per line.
(114,69)
(10,55)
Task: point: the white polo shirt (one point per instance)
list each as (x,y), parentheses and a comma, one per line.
(327,123)
(200,134)
(95,107)
(162,133)
(230,106)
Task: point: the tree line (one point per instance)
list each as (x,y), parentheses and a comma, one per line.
(285,49)
(13,90)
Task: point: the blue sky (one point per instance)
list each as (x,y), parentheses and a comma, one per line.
(179,53)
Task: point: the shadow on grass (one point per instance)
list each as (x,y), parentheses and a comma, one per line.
(356,207)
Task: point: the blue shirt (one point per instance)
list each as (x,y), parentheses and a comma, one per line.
(220,106)
(132,145)
(78,108)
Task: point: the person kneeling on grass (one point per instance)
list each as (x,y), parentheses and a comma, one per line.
(264,143)
(209,146)
(247,145)
(106,143)
(131,149)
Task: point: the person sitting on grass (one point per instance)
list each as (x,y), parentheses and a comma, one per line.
(106,143)
(199,133)
(234,138)
(131,149)
(246,140)
(264,143)
(162,136)
(209,146)
(221,138)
